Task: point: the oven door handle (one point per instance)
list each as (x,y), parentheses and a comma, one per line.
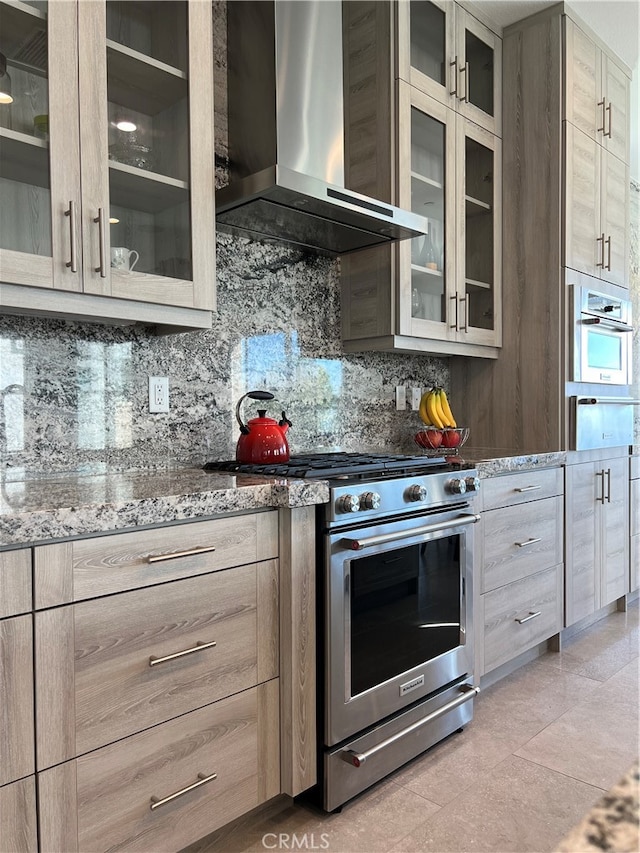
(383,538)
(357,759)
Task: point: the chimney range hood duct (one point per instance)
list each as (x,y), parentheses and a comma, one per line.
(286,134)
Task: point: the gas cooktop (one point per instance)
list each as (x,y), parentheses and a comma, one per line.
(338,465)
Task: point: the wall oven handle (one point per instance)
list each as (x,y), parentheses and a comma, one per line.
(610,401)
(609,322)
(383,538)
(357,759)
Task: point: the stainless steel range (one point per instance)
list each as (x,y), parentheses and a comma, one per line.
(395,574)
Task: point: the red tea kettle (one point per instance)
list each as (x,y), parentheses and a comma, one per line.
(262,439)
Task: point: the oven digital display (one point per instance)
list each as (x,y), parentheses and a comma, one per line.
(405,609)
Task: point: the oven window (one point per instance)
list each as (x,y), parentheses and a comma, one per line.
(604,352)
(405,609)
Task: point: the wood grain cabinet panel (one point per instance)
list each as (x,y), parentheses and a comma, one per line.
(15,582)
(18,825)
(136,659)
(521,487)
(86,568)
(520,615)
(520,540)
(16,698)
(171,785)
(634,515)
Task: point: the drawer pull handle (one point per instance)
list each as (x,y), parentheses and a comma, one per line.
(532,615)
(199,647)
(527,489)
(528,542)
(159,558)
(202,780)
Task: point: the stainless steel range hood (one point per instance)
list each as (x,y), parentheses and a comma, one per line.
(286,134)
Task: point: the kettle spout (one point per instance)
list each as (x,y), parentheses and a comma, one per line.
(284,423)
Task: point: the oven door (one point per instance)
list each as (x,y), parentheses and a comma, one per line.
(398,615)
(603,352)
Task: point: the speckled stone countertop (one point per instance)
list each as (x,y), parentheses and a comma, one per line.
(612,824)
(492,461)
(35,510)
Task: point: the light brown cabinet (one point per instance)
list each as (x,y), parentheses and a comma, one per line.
(565,221)
(18,824)
(80,186)
(519,552)
(597,537)
(634,496)
(439,293)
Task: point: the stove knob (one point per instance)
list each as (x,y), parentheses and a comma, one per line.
(473,484)
(456,486)
(370,500)
(348,503)
(417,493)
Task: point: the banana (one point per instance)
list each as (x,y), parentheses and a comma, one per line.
(422,410)
(433,410)
(438,405)
(446,408)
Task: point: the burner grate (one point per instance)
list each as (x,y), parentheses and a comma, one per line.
(328,465)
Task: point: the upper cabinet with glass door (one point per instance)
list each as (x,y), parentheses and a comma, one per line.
(128,224)
(447,53)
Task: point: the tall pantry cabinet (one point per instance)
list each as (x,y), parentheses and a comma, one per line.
(106,161)
(565,220)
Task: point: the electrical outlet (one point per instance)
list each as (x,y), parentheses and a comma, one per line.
(416,394)
(401,398)
(158,394)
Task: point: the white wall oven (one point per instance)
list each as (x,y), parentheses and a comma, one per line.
(603,335)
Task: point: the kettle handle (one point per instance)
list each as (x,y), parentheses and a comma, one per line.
(255,395)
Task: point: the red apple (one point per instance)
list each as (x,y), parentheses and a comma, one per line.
(451,438)
(430,438)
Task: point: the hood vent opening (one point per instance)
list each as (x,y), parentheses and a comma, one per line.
(286,134)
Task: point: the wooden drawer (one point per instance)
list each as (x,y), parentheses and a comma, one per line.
(16,698)
(100,673)
(18,817)
(504,637)
(519,541)
(86,568)
(15,582)
(102,801)
(512,489)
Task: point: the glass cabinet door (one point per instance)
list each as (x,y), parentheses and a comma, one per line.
(38,126)
(479,258)
(478,84)
(429,29)
(426,262)
(139,221)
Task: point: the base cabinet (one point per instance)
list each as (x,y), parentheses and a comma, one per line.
(18,832)
(597,540)
(634,516)
(169,786)
(519,552)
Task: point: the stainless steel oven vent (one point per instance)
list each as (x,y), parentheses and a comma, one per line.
(286,134)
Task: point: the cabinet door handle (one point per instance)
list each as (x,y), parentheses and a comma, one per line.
(102,242)
(73,249)
(610,111)
(600,239)
(608,485)
(190,552)
(601,498)
(454,325)
(199,647)
(608,242)
(602,104)
(527,489)
(532,615)
(203,778)
(465,301)
(464,69)
(528,542)
(454,77)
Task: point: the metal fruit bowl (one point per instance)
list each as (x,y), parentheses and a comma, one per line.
(441,441)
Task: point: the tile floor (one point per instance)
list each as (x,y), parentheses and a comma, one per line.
(544,744)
